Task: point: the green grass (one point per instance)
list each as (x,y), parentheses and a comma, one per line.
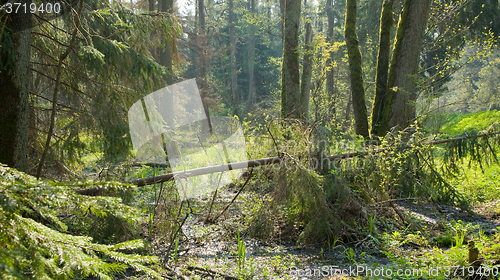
(476,184)
(456,124)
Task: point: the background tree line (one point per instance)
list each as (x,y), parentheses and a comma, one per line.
(361,66)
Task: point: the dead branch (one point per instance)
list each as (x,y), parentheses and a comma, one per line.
(211,273)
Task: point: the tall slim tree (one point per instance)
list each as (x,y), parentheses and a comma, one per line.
(305,86)
(290,81)
(232,47)
(384,53)
(251,58)
(203,62)
(282,13)
(330,75)
(15,79)
(356,70)
(167,6)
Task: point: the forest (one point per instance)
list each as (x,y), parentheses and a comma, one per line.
(249,139)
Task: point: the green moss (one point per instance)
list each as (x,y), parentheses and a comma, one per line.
(356,70)
(386,22)
(386,110)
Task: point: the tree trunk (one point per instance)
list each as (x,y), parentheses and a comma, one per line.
(356,71)
(306,75)
(399,107)
(330,76)
(282,24)
(14,86)
(167,6)
(251,60)
(151,5)
(386,22)
(203,64)
(290,83)
(232,47)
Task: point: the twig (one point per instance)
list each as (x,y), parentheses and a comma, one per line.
(56,90)
(210,272)
(207,219)
(234,198)
(180,226)
(395,199)
(274,140)
(404,219)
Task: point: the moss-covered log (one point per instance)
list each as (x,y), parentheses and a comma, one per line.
(356,70)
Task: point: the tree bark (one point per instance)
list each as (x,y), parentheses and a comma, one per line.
(167,6)
(282,24)
(356,71)
(232,47)
(330,76)
(290,83)
(399,107)
(151,5)
(203,64)
(306,75)
(251,60)
(386,22)
(14,87)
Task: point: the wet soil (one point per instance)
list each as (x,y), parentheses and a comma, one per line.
(210,250)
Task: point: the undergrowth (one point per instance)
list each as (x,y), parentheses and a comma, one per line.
(314,204)
(44,229)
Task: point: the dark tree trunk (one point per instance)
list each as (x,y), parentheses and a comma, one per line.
(399,107)
(282,10)
(203,63)
(167,6)
(356,70)
(232,46)
(14,86)
(386,22)
(251,61)
(330,75)
(166,54)
(290,84)
(306,75)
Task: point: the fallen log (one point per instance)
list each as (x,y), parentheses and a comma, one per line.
(273,160)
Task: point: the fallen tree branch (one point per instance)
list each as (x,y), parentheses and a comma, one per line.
(273,160)
(234,198)
(212,273)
